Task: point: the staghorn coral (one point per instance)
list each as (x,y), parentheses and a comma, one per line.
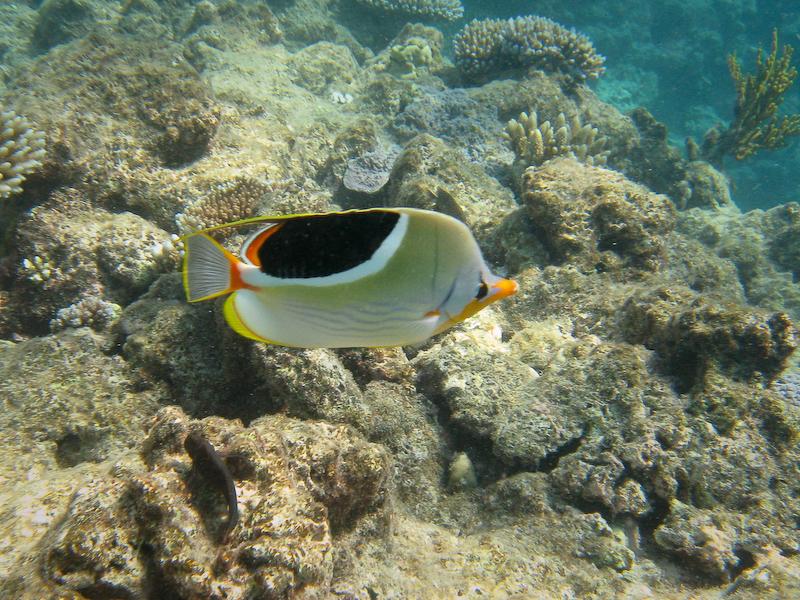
(230,201)
(449,10)
(534,143)
(21,148)
(490,45)
(758,96)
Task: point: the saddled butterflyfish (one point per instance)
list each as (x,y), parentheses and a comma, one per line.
(375,277)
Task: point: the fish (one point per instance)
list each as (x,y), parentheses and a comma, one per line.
(374,277)
(207,462)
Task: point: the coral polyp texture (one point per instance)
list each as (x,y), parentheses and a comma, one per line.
(91,312)
(21,151)
(230,201)
(448,10)
(490,45)
(535,143)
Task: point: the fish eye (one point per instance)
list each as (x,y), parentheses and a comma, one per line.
(483,291)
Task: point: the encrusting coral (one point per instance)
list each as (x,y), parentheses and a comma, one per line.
(449,10)
(369,172)
(758,96)
(21,151)
(594,218)
(490,45)
(535,143)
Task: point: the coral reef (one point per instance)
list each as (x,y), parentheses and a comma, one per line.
(625,427)
(535,143)
(72,250)
(322,65)
(788,386)
(60,21)
(690,334)
(452,115)
(595,218)
(488,46)
(90,312)
(449,10)
(760,244)
(756,126)
(429,174)
(21,151)
(296,481)
(71,374)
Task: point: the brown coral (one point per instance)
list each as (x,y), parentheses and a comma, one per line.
(535,143)
(291,477)
(756,125)
(230,201)
(595,217)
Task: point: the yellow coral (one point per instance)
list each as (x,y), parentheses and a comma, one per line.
(758,97)
(535,143)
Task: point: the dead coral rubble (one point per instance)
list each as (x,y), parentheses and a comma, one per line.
(294,481)
(595,218)
(689,332)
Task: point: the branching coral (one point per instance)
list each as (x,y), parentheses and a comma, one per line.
(449,10)
(21,151)
(92,312)
(756,126)
(491,44)
(535,143)
(239,199)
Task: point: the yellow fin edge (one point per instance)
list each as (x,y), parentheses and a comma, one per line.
(185,271)
(236,323)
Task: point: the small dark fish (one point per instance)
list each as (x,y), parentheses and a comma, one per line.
(209,464)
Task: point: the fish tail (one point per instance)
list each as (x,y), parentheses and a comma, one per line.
(209,270)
